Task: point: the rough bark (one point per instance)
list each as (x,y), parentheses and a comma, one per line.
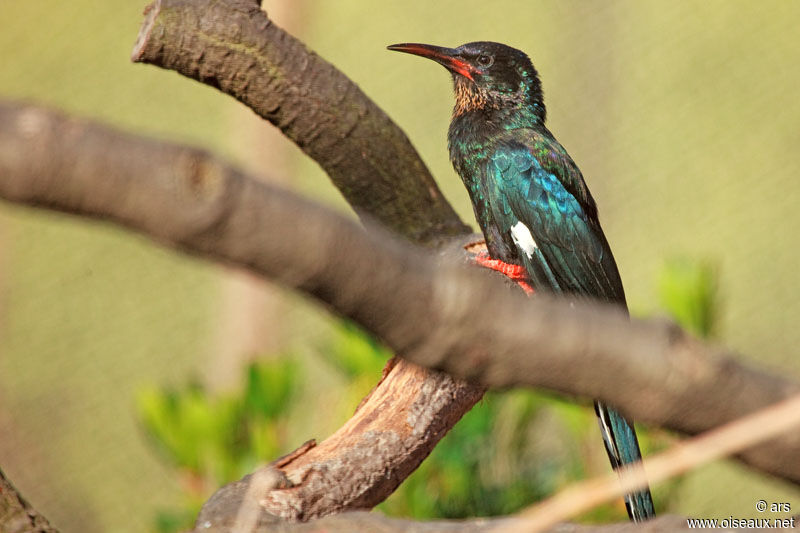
(16,515)
(233,46)
(393,429)
(433,312)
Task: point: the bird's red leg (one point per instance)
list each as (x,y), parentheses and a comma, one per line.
(515,273)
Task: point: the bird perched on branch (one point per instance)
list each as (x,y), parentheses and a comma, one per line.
(530,199)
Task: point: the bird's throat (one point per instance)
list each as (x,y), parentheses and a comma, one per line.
(513,110)
(470,97)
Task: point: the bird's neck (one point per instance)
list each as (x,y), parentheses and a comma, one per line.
(475,127)
(523,104)
(481,113)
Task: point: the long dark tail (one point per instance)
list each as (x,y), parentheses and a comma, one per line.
(623,448)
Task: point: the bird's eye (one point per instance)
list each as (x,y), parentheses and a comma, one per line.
(485,60)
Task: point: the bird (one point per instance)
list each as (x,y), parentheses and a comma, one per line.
(530,200)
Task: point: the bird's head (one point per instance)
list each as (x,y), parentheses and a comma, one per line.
(486,75)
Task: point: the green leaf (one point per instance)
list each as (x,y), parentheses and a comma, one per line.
(687,290)
(270,385)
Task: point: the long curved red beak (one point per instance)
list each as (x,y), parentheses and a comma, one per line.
(447,57)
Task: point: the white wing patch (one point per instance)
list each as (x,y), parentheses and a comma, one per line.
(523,238)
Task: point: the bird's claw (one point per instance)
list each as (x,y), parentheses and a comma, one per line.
(515,273)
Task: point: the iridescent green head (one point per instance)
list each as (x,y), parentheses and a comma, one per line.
(486,75)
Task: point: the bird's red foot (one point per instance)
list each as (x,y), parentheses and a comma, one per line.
(515,273)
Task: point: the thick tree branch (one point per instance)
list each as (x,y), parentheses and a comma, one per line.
(443,316)
(232,45)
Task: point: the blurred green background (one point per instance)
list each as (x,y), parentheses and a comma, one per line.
(683,116)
